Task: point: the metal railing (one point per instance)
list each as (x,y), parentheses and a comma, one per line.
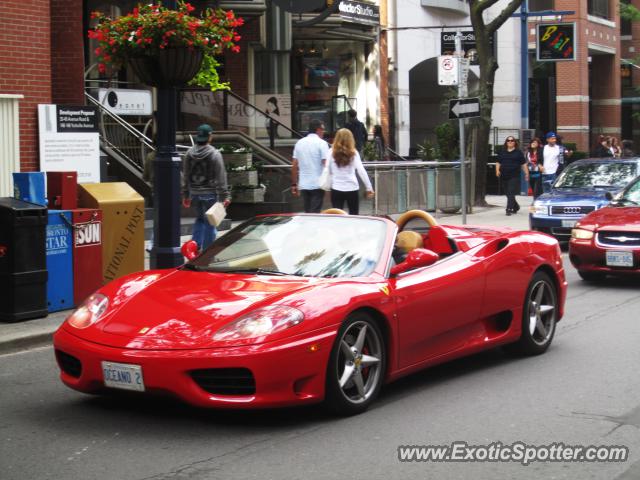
(399,186)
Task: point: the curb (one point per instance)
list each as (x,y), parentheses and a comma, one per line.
(26,342)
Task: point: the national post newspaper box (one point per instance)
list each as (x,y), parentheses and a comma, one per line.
(122,226)
(23,264)
(59,261)
(87,252)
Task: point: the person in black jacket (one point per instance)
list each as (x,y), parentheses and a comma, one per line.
(358,129)
(509,164)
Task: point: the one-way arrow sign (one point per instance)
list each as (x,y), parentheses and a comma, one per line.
(464,108)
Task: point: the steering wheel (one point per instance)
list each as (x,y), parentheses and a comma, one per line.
(334,211)
(415,214)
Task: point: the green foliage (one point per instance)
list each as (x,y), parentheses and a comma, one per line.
(208,76)
(369,153)
(448,141)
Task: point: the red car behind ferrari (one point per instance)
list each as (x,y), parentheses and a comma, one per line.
(297,309)
(607,241)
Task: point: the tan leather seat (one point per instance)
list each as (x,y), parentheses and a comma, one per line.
(408,240)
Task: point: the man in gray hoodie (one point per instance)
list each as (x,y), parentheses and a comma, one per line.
(204,182)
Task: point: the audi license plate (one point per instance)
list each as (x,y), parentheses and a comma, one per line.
(569,223)
(123,376)
(616,258)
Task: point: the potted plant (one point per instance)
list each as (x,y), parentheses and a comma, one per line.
(242,175)
(236,156)
(165,47)
(248,193)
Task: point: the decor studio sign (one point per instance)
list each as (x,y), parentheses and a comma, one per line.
(359,12)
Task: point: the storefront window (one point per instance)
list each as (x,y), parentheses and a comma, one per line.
(323,71)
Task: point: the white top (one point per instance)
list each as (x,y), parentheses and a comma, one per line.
(344,178)
(310,152)
(551,156)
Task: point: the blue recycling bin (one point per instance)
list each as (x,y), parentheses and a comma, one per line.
(59,260)
(29,187)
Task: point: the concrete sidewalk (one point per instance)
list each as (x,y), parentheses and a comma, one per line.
(34,333)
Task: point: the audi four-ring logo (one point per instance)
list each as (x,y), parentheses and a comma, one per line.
(572,210)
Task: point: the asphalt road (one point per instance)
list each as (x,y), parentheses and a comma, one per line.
(585,390)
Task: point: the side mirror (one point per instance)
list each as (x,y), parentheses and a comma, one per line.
(189,250)
(417,258)
(608,196)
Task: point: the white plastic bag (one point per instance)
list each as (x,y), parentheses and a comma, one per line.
(325,178)
(216,214)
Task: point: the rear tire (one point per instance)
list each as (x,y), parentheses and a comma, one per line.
(591,276)
(539,316)
(357,366)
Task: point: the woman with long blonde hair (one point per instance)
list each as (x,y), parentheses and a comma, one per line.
(344,162)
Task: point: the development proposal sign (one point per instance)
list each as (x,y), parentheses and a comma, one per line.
(69,140)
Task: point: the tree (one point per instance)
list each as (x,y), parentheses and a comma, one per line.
(488,65)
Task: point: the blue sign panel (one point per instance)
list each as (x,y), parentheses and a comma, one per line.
(29,187)
(59,261)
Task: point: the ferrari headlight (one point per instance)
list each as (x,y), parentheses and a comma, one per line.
(581,234)
(89,312)
(260,322)
(538,209)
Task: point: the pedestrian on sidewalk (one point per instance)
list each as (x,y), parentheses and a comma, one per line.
(309,157)
(551,157)
(601,148)
(358,130)
(379,145)
(510,163)
(344,162)
(204,183)
(616,149)
(534,166)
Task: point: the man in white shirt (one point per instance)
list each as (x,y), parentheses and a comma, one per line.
(550,162)
(309,157)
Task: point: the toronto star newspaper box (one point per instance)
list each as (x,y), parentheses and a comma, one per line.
(59,260)
(122,226)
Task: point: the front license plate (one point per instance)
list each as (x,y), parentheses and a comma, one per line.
(619,259)
(569,223)
(123,376)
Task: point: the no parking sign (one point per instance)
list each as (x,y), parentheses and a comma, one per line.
(448,70)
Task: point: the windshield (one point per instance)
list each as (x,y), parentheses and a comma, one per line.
(310,246)
(602,174)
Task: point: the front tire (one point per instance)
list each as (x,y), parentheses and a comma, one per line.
(539,316)
(357,366)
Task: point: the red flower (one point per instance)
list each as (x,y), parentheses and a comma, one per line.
(237,38)
(235,48)
(230,14)
(102,68)
(190,8)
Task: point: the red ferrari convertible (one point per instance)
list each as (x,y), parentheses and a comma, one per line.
(607,241)
(297,309)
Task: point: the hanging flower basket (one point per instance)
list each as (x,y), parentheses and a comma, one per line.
(165,47)
(172,67)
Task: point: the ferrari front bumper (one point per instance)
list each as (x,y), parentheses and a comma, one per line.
(288,372)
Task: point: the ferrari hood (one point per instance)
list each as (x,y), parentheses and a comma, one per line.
(183,309)
(618,218)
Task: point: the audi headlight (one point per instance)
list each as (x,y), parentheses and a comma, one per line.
(89,312)
(538,209)
(260,322)
(581,234)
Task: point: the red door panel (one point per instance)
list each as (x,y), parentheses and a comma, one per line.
(438,307)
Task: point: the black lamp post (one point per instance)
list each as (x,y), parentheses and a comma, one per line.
(166,186)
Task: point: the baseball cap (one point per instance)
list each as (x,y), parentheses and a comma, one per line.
(550,135)
(204,131)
